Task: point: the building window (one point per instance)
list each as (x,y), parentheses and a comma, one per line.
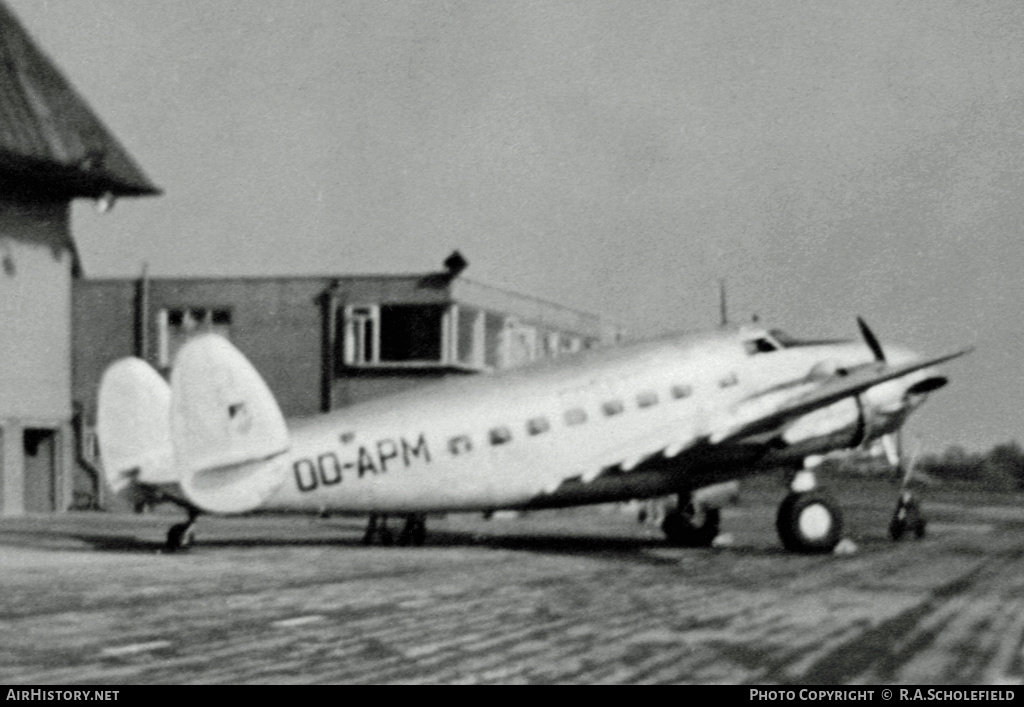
(469,336)
(494,325)
(552,345)
(361,325)
(519,344)
(538,425)
(175,326)
(393,334)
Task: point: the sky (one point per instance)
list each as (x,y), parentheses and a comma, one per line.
(828,159)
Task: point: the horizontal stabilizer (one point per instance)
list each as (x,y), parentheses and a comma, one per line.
(228,432)
(133,425)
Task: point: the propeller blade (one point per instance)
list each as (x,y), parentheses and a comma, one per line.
(871,340)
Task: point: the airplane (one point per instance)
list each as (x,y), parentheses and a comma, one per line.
(667,416)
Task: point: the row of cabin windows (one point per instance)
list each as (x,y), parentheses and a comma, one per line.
(502,434)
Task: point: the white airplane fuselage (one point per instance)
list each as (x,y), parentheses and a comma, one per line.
(545,435)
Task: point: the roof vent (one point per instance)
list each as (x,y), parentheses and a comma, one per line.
(455,264)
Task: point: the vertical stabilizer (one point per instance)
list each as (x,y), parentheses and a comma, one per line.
(133,425)
(227,430)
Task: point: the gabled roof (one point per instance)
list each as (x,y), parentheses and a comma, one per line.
(50,141)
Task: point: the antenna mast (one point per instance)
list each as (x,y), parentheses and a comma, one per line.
(722,308)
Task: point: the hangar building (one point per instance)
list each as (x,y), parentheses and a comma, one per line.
(53,149)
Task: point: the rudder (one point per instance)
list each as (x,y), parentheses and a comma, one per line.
(133,425)
(227,431)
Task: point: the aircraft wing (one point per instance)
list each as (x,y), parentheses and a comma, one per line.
(760,414)
(752,418)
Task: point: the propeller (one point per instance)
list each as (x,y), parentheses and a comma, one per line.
(871,340)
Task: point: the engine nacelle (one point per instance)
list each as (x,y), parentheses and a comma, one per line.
(229,436)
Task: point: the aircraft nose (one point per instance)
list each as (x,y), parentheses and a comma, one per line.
(896,398)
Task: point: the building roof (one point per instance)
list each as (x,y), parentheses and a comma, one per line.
(50,140)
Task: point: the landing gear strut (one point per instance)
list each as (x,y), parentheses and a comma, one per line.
(691,526)
(414,532)
(181,536)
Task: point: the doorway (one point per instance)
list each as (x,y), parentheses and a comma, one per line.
(40,447)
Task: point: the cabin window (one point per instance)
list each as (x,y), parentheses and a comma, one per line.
(461,444)
(175,326)
(612,407)
(647,399)
(575,416)
(728,381)
(537,425)
(682,391)
(500,435)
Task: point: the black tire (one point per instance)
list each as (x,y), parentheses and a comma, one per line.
(896,528)
(681,531)
(180,537)
(414,533)
(809,522)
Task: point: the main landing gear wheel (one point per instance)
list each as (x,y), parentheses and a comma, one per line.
(377,530)
(691,527)
(414,532)
(907,518)
(809,522)
(180,537)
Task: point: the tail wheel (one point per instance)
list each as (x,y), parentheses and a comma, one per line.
(691,528)
(809,522)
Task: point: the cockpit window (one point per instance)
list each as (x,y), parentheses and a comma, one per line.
(760,345)
(788,342)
